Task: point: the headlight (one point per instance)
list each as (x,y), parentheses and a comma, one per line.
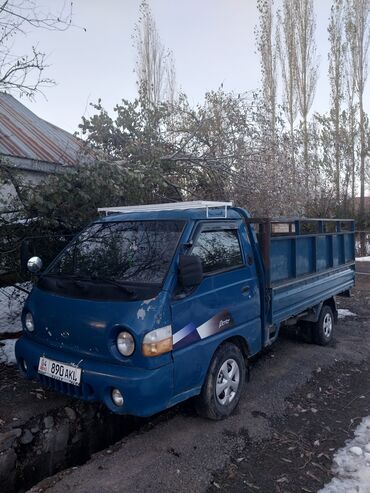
(125,343)
(29,323)
(158,341)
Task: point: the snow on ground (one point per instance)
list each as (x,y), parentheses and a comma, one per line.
(343,313)
(362,259)
(7,355)
(11,303)
(352,464)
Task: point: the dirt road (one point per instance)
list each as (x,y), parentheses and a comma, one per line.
(180,452)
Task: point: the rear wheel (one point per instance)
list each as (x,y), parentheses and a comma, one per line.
(224,382)
(323,329)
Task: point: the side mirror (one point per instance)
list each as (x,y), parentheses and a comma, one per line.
(190,270)
(34,265)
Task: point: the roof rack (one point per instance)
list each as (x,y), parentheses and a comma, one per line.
(171,206)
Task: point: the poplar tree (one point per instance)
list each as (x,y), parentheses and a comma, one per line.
(358,35)
(155,66)
(287,53)
(267,49)
(351,124)
(307,66)
(337,55)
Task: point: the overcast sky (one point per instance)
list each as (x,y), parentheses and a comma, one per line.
(212,40)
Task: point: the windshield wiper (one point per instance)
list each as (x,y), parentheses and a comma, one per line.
(113,283)
(81,278)
(62,274)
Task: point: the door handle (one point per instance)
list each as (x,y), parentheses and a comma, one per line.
(245,290)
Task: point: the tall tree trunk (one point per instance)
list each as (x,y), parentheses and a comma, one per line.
(358,36)
(362,161)
(305,151)
(292,152)
(287,52)
(306,71)
(267,49)
(336,72)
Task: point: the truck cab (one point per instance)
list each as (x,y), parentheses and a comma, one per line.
(151,305)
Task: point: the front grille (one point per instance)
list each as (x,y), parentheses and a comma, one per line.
(83,391)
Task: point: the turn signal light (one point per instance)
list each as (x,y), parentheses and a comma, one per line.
(158,341)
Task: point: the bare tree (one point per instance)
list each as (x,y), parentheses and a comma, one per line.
(358,35)
(307,66)
(170,79)
(23,73)
(267,50)
(287,52)
(337,55)
(351,127)
(155,65)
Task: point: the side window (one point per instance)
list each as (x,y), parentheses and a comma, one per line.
(218,250)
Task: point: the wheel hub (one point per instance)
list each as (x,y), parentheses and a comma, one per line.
(327,325)
(227,382)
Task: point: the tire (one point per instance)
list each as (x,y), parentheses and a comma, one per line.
(224,383)
(323,329)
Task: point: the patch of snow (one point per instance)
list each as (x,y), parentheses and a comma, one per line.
(351,465)
(11,303)
(362,259)
(7,354)
(343,313)
(356,451)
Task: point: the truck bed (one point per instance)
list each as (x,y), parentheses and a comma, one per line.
(293,297)
(303,262)
(310,262)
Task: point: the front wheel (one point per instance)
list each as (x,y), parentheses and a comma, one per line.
(224,382)
(323,329)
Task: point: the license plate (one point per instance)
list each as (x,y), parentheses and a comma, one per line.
(59,371)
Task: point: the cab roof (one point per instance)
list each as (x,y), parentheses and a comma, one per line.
(185,214)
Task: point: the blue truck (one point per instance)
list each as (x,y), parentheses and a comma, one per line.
(151,305)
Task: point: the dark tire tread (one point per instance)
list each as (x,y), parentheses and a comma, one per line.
(206,403)
(318,335)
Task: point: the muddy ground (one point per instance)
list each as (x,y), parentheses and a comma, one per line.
(302,403)
(319,418)
(298,456)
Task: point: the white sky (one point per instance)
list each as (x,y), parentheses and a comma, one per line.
(212,40)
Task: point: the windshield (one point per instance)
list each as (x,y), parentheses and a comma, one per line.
(132,251)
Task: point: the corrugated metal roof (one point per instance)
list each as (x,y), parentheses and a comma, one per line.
(25,135)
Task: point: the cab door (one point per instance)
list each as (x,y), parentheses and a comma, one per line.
(226,303)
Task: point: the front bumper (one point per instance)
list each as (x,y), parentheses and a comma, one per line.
(145,392)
